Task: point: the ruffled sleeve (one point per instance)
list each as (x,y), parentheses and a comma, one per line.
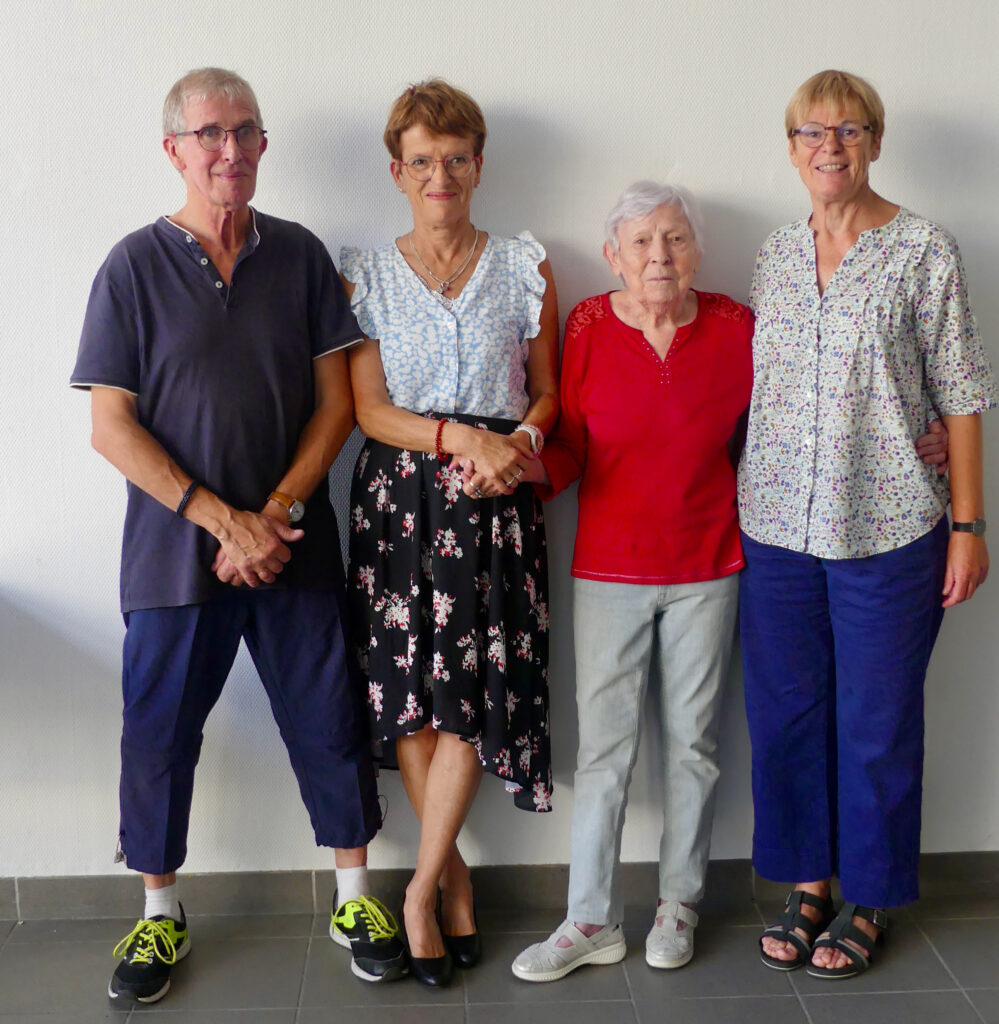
(354,267)
(532,253)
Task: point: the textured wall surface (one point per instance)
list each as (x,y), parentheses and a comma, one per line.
(579,100)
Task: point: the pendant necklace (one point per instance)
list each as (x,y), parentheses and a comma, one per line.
(445,283)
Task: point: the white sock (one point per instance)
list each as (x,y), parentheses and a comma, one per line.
(162,902)
(351,883)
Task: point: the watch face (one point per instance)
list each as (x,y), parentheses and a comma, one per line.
(296,511)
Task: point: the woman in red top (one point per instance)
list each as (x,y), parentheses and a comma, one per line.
(655,563)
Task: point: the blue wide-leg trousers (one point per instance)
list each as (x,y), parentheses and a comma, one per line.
(835,653)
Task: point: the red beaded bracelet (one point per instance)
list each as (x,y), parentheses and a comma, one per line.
(441,454)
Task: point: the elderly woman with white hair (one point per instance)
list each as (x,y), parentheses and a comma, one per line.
(655,564)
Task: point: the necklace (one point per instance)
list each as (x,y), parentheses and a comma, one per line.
(445,283)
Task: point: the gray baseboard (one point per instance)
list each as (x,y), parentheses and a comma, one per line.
(508,887)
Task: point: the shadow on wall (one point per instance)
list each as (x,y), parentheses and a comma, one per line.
(733,236)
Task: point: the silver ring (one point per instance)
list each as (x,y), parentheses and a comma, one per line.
(479,493)
(519,473)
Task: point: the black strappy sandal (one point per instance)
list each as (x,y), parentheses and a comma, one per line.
(842,929)
(784,928)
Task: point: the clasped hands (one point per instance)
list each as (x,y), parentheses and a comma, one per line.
(496,465)
(254,548)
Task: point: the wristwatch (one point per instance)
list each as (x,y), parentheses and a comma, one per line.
(534,433)
(976,527)
(296,508)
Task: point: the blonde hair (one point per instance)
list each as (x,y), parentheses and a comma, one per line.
(440,108)
(838,89)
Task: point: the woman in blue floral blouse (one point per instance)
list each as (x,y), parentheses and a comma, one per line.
(863,334)
(448,576)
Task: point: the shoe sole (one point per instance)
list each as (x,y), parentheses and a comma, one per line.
(600,957)
(831,974)
(784,966)
(668,965)
(392,974)
(128,997)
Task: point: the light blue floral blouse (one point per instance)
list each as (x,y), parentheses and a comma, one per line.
(470,359)
(844,382)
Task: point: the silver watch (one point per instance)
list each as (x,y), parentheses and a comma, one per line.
(296,508)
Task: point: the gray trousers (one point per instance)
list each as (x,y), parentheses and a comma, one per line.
(619,628)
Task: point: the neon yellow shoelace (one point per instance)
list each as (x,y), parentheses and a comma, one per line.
(153,939)
(381,924)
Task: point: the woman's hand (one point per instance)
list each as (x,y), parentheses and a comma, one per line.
(494,463)
(967,567)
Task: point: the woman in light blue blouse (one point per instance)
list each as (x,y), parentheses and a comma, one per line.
(448,576)
(863,329)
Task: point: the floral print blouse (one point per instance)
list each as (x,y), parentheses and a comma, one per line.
(844,382)
(471,358)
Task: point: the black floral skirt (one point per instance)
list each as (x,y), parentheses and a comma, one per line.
(449,611)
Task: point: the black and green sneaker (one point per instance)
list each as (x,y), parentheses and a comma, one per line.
(147,953)
(371,934)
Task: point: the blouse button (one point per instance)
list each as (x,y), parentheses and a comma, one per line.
(189,238)
(204,261)
(218,284)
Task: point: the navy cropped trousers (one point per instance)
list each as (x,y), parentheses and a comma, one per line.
(835,653)
(175,663)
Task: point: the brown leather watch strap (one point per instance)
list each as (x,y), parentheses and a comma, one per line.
(282,499)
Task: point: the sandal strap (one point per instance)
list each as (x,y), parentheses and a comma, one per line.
(802,946)
(799,896)
(876,915)
(677,911)
(843,928)
(860,961)
(792,918)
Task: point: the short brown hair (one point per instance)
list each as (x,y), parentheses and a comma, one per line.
(838,89)
(441,109)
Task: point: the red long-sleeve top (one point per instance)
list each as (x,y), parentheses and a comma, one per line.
(649,437)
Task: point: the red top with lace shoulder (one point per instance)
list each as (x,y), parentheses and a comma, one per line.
(649,438)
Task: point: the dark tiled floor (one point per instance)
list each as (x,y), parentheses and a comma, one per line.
(939,966)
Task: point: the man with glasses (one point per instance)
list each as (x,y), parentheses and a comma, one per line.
(214,350)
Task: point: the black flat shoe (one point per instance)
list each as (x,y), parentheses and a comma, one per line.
(435,971)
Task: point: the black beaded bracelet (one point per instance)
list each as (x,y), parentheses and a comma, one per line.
(191,488)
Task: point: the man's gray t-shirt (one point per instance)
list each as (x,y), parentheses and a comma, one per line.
(223,380)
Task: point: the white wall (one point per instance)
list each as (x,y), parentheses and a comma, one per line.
(580,100)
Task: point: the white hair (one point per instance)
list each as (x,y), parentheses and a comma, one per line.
(201,84)
(639,200)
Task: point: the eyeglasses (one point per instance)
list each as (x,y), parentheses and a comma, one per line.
(421,168)
(849,133)
(213,138)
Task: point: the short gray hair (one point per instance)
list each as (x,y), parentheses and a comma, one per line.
(201,84)
(639,200)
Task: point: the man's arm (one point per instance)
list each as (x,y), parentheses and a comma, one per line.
(323,437)
(253,544)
